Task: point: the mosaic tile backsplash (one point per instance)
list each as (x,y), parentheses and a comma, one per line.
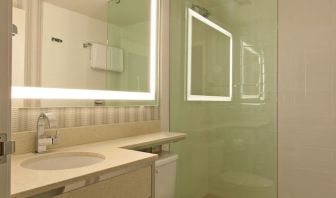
(26,119)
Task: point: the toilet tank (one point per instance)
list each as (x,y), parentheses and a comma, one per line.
(165,177)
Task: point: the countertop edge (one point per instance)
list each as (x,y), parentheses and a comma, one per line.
(136,142)
(59,184)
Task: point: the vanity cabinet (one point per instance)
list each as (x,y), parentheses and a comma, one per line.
(134,184)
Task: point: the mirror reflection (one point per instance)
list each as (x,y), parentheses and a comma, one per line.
(209,58)
(83,44)
(252,73)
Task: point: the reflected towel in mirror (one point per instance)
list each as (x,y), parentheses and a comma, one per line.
(115,59)
(107,58)
(98,56)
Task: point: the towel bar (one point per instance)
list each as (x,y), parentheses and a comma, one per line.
(86,45)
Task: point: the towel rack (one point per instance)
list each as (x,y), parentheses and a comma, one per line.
(86,45)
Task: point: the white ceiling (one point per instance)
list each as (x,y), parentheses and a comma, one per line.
(239,11)
(129,12)
(93,8)
(125,13)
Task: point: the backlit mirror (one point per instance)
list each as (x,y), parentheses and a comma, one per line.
(78,50)
(209,62)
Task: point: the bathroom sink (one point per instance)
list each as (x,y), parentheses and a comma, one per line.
(62,161)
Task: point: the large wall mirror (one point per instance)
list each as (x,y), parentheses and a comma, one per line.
(84,52)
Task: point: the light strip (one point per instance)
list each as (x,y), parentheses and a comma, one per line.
(154,46)
(82,94)
(192,14)
(76,94)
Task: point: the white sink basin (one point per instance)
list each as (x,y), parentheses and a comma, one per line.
(62,161)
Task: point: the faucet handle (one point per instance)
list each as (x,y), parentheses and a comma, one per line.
(45,141)
(42,144)
(55,139)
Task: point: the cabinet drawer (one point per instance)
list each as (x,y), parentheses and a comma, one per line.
(135,184)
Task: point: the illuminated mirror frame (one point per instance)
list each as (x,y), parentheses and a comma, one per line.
(83,94)
(261,93)
(191,15)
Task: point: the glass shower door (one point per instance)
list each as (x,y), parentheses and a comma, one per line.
(224,96)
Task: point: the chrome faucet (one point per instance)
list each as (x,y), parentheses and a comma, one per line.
(42,139)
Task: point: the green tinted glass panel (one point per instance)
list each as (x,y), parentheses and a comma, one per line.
(129,32)
(231,148)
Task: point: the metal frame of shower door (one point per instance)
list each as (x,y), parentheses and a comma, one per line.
(5,88)
(164,46)
(164,63)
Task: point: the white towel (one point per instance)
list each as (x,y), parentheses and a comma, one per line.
(98,56)
(115,60)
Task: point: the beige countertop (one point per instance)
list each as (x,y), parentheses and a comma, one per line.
(26,182)
(141,141)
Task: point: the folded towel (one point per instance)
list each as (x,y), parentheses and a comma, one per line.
(115,60)
(98,56)
(107,58)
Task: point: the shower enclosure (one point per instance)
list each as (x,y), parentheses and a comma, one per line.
(224,96)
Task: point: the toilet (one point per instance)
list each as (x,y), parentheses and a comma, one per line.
(165,175)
